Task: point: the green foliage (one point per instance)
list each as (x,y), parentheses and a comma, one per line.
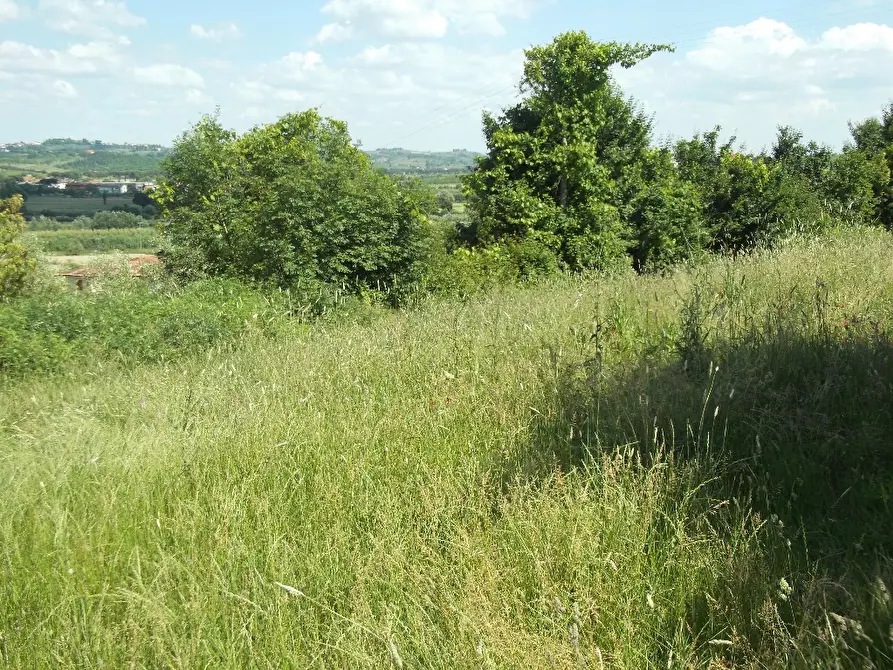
(87,241)
(564,165)
(16,264)
(294,201)
(874,139)
(445,202)
(667,220)
(127,322)
(117,220)
(741,193)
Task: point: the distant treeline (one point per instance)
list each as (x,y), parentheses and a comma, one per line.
(75,242)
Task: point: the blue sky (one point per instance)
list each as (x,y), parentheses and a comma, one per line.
(417,73)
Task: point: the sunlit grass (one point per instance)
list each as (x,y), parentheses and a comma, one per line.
(537,478)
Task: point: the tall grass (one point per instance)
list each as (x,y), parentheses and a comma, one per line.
(584,474)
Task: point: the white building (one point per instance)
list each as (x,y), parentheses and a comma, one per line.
(112,187)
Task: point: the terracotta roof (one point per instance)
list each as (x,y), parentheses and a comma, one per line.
(137,262)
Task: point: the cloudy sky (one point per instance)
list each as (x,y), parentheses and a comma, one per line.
(416,73)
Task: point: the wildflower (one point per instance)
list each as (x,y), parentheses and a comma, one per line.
(649,600)
(784,589)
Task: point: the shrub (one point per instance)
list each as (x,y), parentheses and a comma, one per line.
(16,264)
(127,322)
(294,201)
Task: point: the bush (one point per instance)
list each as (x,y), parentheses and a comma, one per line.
(294,201)
(16,264)
(127,322)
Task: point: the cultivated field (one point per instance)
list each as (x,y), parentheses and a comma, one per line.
(86,241)
(67,206)
(645,472)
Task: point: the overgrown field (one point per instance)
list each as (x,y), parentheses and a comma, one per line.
(692,470)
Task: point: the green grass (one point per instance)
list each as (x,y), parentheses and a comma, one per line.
(682,471)
(76,242)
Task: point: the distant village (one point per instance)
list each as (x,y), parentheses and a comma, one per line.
(101,187)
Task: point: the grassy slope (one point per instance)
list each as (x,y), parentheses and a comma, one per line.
(431,483)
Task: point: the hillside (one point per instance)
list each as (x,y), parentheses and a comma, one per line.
(689,470)
(424,162)
(83,159)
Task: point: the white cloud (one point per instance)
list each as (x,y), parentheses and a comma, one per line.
(298,66)
(88,58)
(197,98)
(754,77)
(64,89)
(258,92)
(92,18)
(419,19)
(393,90)
(860,37)
(334,32)
(9,10)
(219,33)
(169,75)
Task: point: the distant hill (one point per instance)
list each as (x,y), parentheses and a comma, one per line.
(94,159)
(423,162)
(82,159)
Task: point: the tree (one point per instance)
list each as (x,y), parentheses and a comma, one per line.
(743,195)
(668,222)
(294,201)
(564,166)
(874,138)
(445,201)
(16,264)
(143,199)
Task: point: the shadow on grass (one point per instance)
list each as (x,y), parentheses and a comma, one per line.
(798,415)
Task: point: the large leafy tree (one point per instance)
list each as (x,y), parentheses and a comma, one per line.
(16,264)
(290,202)
(873,138)
(563,166)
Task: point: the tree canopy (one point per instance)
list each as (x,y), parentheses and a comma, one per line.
(563,166)
(289,202)
(572,179)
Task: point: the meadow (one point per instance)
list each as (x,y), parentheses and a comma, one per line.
(682,470)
